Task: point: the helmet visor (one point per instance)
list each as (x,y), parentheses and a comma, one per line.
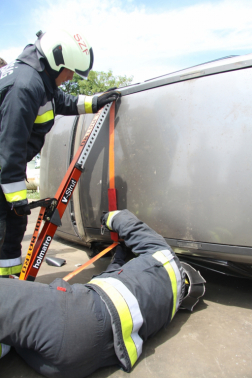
(84,74)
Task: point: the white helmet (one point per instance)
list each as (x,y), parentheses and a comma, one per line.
(64,49)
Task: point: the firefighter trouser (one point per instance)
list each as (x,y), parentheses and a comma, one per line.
(12,229)
(118,259)
(58,333)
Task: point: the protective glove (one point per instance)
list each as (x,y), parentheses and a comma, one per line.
(104,218)
(105,98)
(22,210)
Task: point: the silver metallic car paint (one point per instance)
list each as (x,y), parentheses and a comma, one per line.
(183,162)
(82,126)
(54,163)
(184,152)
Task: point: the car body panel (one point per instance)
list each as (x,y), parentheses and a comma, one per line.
(183,161)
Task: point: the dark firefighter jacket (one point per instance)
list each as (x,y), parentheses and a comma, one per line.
(29,101)
(144,295)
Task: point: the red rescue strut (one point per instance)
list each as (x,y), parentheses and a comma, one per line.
(52,210)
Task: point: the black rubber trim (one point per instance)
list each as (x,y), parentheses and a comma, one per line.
(211,247)
(85,73)
(58,56)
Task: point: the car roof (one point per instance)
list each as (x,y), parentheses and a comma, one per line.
(229,63)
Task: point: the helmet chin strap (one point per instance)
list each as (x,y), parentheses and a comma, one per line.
(52,73)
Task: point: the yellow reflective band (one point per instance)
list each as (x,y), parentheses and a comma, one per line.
(0,350)
(11,270)
(47,116)
(110,217)
(124,314)
(163,259)
(108,220)
(173,279)
(88,104)
(16,196)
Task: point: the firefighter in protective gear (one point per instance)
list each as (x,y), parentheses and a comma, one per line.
(29,100)
(74,330)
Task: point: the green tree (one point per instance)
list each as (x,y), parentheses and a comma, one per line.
(97,81)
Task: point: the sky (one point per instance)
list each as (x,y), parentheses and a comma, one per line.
(139,38)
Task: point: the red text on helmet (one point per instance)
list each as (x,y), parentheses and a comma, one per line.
(81,43)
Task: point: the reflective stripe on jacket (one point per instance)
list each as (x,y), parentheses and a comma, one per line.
(144,295)
(45,113)
(15,192)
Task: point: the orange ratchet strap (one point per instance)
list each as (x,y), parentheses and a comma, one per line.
(112,201)
(111,195)
(78,270)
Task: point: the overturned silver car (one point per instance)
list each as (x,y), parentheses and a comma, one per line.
(183,164)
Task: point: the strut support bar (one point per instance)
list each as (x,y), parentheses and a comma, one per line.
(40,244)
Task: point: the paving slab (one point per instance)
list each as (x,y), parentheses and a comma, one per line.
(213,341)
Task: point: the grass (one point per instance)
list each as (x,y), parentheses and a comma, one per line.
(33,194)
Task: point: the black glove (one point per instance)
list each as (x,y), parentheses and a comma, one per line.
(99,101)
(104,218)
(22,210)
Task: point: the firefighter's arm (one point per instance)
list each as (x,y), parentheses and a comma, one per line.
(18,111)
(136,234)
(73,105)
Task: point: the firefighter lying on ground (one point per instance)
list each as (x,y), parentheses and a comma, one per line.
(70,331)
(29,101)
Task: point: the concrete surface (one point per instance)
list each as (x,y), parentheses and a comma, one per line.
(213,341)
